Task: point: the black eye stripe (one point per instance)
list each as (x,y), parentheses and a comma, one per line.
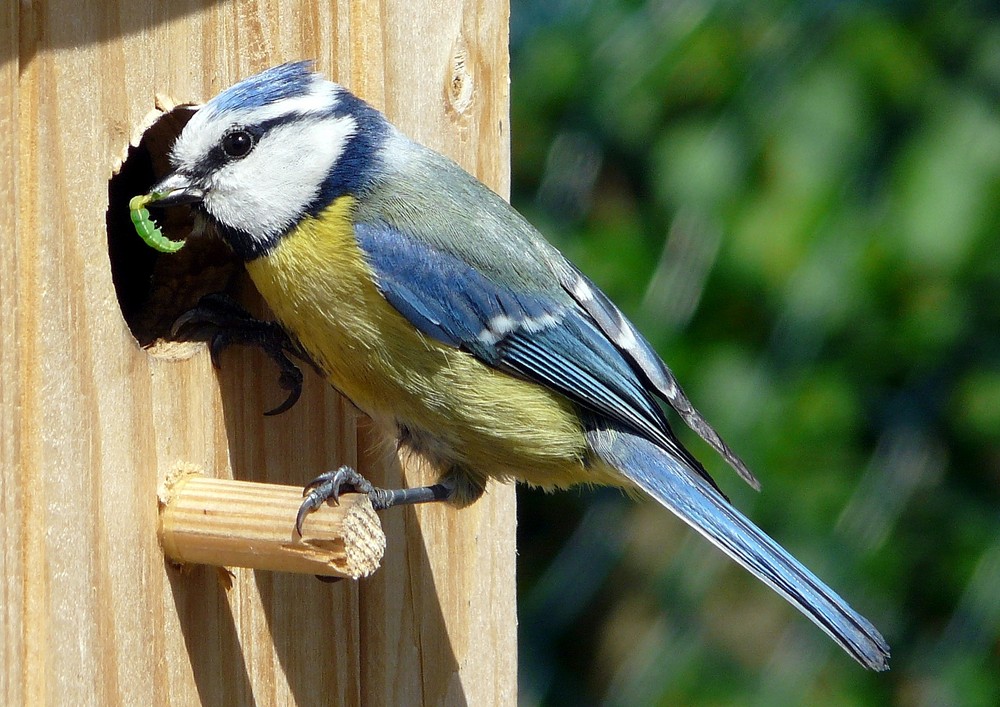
(217,156)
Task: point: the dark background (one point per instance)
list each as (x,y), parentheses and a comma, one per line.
(799,204)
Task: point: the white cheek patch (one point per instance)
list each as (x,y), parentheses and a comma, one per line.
(265,193)
(207,126)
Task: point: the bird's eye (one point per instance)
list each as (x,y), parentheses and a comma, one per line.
(237,143)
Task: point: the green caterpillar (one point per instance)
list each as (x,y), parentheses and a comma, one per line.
(147,228)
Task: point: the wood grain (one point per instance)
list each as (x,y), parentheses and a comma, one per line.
(90,423)
(231,523)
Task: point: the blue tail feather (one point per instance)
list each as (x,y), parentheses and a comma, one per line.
(695,501)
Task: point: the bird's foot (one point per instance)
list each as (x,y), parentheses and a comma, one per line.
(225,323)
(329,485)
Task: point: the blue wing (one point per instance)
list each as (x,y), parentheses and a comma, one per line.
(524,310)
(542,336)
(650,366)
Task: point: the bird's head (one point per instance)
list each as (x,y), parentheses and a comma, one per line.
(270,150)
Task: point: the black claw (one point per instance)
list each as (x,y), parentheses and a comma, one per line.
(293,397)
(328,487)
(230,324)
(327,579)
(182,321)
(218,342)
(308,506)
(290,379)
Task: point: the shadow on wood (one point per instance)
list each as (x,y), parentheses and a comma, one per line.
(90,423)
(210,635)
(106,20)
(316,628)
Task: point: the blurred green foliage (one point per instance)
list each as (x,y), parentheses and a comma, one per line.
(799,204)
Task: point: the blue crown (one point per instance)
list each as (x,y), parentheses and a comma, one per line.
(270,86)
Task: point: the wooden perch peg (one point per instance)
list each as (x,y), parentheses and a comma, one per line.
(228,523)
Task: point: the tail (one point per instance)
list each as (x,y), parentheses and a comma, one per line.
(684,492)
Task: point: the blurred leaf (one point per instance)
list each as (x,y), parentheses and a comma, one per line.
(799,205)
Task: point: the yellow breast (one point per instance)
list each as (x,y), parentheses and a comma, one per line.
(320,287)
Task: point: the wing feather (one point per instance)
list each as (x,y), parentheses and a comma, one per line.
(652,368)
(541,336)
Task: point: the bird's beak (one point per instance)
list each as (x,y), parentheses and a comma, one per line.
(177,188)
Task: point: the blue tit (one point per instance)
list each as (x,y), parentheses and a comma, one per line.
(443,314)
